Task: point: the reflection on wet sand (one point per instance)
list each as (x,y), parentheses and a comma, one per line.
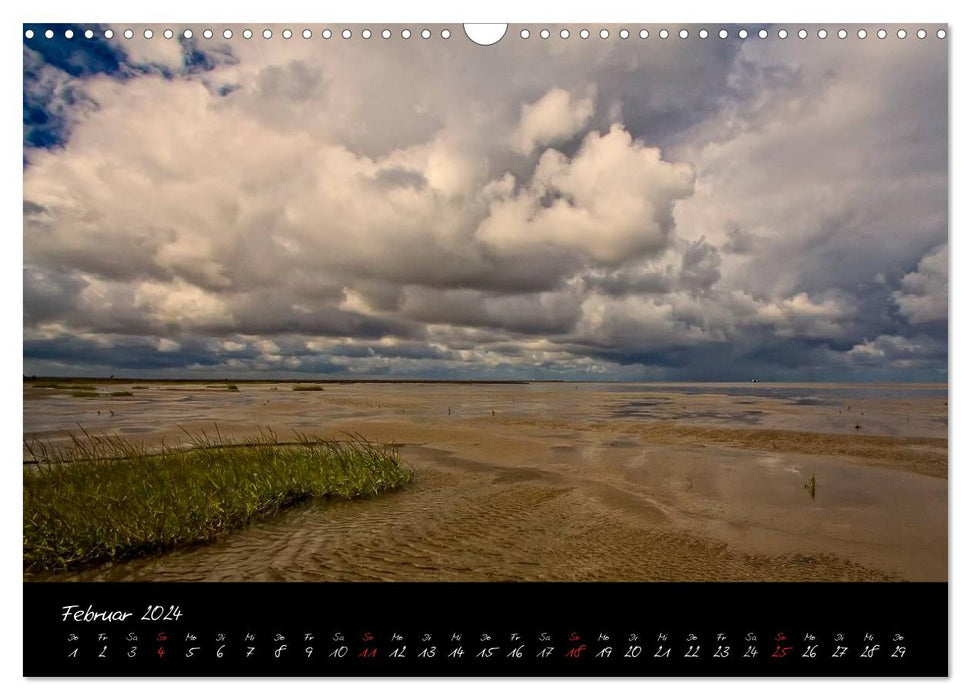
(572,482)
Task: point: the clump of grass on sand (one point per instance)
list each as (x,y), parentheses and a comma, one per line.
(810,486)
(121,393)
(308,387)
(105,498)
(85,394)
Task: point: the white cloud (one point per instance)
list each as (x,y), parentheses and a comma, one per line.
(181,303)
(922,295)
(554,117)
(801,315)
(611,202)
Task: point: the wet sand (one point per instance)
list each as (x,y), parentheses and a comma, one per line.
(615,482)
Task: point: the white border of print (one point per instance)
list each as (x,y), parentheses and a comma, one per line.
(11,258)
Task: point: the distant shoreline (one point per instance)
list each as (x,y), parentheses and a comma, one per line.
(657,382)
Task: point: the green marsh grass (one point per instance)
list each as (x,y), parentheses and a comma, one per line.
(308,387)
(105,498)
(85,394)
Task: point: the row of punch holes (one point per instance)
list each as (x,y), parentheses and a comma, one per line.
(524,33)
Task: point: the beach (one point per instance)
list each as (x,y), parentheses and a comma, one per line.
(565,481)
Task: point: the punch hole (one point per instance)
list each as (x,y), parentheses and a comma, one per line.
(366,34)
(29,34)
(861,33)
(763,34)
(187,34)
(89,34)
(287,33)
(168,34)
(643,34)
(306,34)
(148,33)
(841,33)
(703,33)
(446,33)
(822,34)
(227,34)
(129,33)
(604,34)
(584,33)
(921,34)
(207,33)
(426,34)
(743,34)
(783,33)
(386,34)
(69,33)
(327,34)
(722,33)
(483,34)
(941,34)
(247,33)
(267,34)
(524,34)
(405,33)
(624,33)
(882,34)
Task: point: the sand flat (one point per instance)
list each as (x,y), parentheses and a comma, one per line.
(542,481)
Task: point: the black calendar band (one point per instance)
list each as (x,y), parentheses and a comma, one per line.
(494,629)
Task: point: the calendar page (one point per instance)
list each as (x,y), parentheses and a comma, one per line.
(485,350)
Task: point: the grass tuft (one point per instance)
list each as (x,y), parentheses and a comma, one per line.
(104,498)
(307,387)
(85,394)
(121,393)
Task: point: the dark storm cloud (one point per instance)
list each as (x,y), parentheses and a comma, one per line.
(274,316)
(126,354)
(399,177)
(700,265)
(49,295)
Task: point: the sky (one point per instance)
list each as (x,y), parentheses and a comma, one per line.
(580,209)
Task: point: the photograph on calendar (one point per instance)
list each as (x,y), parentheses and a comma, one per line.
(379,303)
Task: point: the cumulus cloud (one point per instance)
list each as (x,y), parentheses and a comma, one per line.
(611,202)
(922,296)
(626,210)
(554,117)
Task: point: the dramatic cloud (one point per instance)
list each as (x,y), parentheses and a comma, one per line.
(554,117)
(922,295)
(699,209)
